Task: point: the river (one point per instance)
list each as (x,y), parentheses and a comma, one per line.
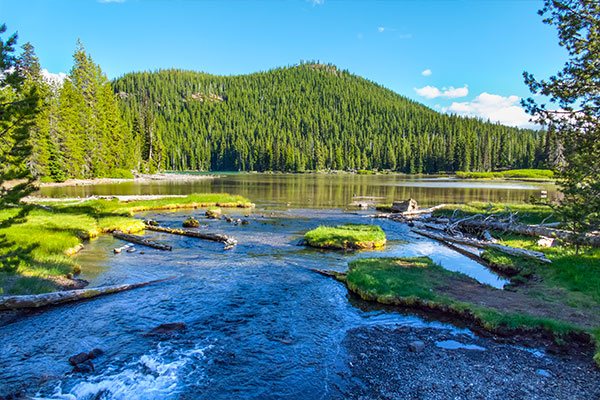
(259,322)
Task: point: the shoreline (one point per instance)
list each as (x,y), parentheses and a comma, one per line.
(142,178)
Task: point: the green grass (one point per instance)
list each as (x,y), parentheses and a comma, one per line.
(35,242)
(577,274)
(346,237)
(418,282)
(527,174)
(524,213)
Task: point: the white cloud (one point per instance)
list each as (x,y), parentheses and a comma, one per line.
(426,72)
(429,92)
(493,107)
(381,29)
(432,92)
(316,2)
(52,78)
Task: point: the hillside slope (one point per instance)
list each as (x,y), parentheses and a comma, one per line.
(306,117)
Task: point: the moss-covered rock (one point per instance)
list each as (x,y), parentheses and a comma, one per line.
(191,222)
(214,213)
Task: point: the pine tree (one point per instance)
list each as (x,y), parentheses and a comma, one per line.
(19,104)
(576,91)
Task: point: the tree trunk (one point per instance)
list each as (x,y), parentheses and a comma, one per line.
(49,299)
(444,238)
(141,241)
(534,230)
(215,237)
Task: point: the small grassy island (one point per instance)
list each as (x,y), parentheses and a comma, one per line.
(346,237)
(36,241)
(517,174)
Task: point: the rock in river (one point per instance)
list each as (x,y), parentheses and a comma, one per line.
(416,346)
(168,329)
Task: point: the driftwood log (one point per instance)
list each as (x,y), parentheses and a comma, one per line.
(533,230)
(228,241)
(446,239)
(54,298)
(407,214)
(141,241)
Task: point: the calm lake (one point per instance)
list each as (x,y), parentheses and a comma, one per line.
(326,191)
(259,322)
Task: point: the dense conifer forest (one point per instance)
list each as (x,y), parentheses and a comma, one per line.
(307,117)
(301,118)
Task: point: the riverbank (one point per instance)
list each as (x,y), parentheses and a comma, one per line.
(534,311)
(559,299)
(37,242)
(413,363)
(141,178)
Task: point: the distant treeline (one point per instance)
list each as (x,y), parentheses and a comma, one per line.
(306,117)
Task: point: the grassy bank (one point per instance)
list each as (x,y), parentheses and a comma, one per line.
(519,174)
(35,242)
(346,237)
(419,283)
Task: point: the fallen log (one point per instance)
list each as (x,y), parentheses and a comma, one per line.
(533,230)
(215,237)
(514,251)
(55,298)
(140,240)
(407,214)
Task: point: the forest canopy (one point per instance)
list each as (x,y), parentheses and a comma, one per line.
(307,117)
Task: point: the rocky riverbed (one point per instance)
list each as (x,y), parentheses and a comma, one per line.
(408,363)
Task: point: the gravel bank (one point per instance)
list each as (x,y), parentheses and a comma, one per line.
(384,366)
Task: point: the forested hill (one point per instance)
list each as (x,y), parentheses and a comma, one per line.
(306,117)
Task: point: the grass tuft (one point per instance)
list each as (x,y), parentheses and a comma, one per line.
(346,237)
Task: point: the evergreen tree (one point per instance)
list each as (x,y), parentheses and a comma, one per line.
(19,104)
(576,124)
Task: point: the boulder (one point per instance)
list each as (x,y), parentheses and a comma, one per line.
(405,206)
(85,367)
(191,222)
(168,329)
(416,346)
(79,358)
(214,213)
(95,353)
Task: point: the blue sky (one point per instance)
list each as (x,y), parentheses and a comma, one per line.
(456,56)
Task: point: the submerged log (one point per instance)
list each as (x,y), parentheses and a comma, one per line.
(54,298)
(533,230)
(215,237)
(446,239)
(140,240)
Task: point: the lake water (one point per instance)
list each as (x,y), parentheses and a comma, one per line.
(260,323)
(326,191)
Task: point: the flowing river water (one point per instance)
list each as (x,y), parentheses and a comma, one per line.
(259,323)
